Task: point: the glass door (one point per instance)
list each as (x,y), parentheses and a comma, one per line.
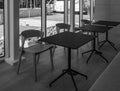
(86,9)
(77,12)
(30,15)
(2,36)
(54,14)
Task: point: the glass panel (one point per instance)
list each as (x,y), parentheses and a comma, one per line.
(86,9)
(2,28)
(93,9)
(30,15)
(77,13)
(68,11)
(55,14)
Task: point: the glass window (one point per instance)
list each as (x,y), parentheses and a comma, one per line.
(30,15)
(2,46)
(86,9)
(55,14)
(68,11)
(77,13)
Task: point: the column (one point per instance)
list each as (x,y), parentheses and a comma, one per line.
(81,12)
(43,19)
(72,15)
(12,29)
(66,11)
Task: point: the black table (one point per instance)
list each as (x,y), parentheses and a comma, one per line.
(69,40)
(94,29)
(108,24)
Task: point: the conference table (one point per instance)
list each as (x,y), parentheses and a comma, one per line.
(107,24)
(94,30)
(69,40)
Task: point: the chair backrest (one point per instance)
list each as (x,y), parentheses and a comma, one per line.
(65,27)
(32,33)
(86,22)
(28,34)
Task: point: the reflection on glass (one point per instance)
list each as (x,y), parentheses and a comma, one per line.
(2,28)
(68,11)
(55,14)
(77,12)
(30,15)
(86,9)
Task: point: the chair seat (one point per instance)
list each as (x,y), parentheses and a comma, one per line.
(38,48)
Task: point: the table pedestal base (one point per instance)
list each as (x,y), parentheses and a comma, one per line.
(70,72)
(107,41)
(96,52)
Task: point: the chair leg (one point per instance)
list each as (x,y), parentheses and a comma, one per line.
(19,63)
(35,65)
(38,57)
(51,58)
(54,50)
(73,81)
(97,39)
(77,52)
(64,49)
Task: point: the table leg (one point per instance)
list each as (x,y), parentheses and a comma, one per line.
(69,71)
(74,82)
(96,51)
(58,78)
(86,52)
(107,40)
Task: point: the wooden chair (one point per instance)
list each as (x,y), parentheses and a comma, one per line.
(36,49)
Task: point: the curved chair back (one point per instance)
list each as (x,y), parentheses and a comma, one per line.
(65,27)
(35,49)
(32,33)
(86,22)
(27,34)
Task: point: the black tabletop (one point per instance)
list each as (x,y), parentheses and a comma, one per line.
(94,28)
(107,23)
(68,39)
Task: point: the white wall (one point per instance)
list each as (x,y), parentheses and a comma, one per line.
(102,10)
(115,10)
(107,10)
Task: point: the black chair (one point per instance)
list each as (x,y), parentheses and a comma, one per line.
(36,49)
(85,21)
(88,22)
(62,26)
